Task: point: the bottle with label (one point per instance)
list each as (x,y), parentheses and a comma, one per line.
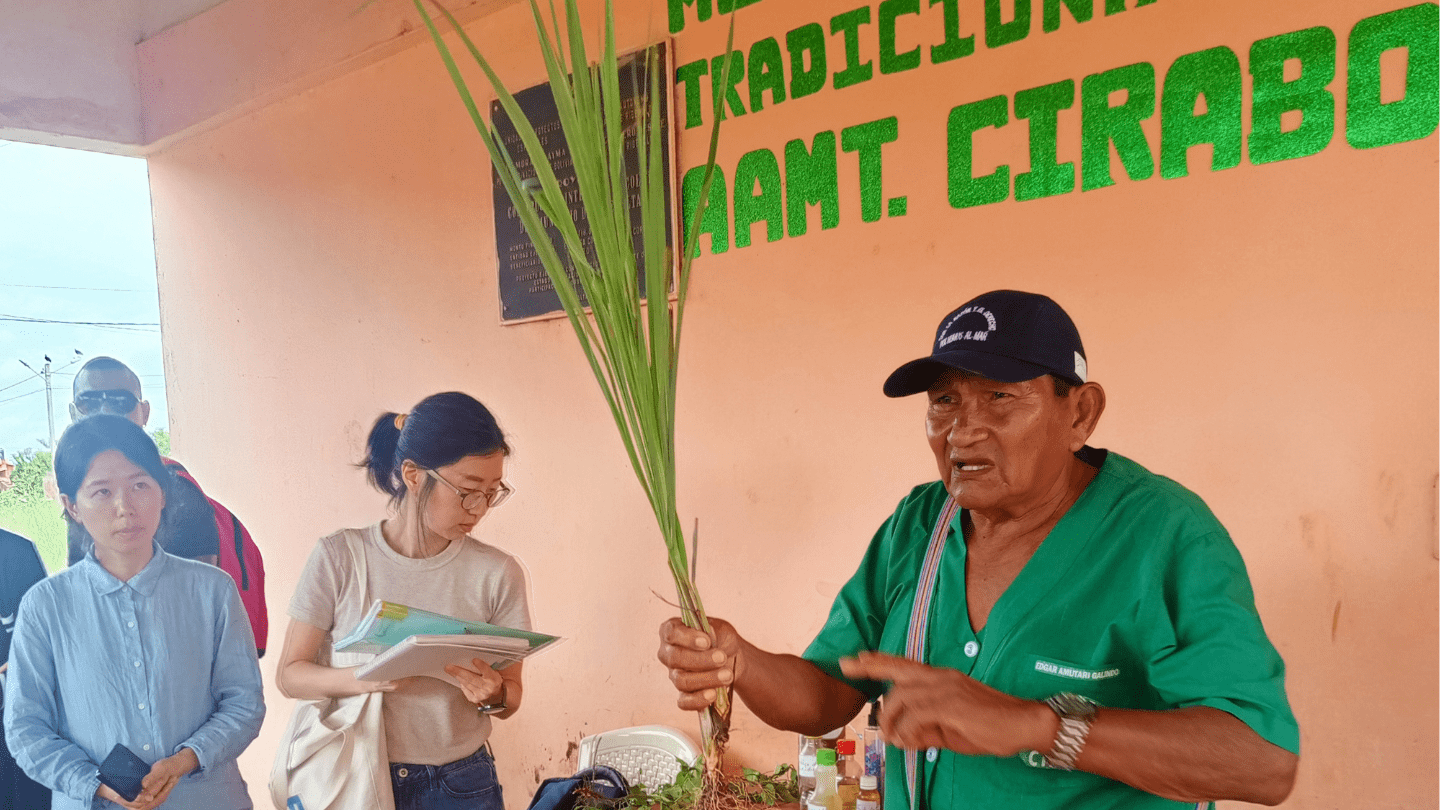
(825,796)
(874,746)
(805,766)
(847,773)
(869,798)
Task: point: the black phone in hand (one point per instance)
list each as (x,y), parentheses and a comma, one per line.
(123,772)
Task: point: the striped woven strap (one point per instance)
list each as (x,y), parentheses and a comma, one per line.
(920,619)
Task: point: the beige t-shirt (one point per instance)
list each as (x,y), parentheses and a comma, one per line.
(427,721)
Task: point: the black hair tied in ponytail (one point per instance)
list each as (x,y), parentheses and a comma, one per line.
(439,431)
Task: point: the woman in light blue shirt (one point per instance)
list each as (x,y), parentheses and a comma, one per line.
(130,645)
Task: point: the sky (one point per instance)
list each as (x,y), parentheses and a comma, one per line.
(76,247)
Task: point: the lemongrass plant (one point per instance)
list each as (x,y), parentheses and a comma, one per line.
(632,345)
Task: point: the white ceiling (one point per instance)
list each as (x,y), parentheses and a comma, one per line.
(129,76)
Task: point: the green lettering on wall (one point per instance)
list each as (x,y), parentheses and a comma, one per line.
(1213,74)
(1080,11)
(716,220)
(811,178)
(867,139)
(767,72)
(688,77)
(758,168)
(1101,124)
(737,75)
(999,33)
(807,39)
(1368,122)
(890,61)
(727,6)
(1042,106)
(1117,6)
(702,10)
(966,189)
(849,24)
(677,13)
(954,46)
(1271,96)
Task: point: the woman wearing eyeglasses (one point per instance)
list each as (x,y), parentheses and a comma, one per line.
(443,465)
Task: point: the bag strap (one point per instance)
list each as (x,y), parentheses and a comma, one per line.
(236,529)
(239,537)
(355,542)
(920,618)
(353,601)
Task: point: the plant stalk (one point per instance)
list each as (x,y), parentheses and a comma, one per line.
(630,343)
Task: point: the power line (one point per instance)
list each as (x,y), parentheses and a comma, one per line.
(22,382)
(136,330)
(73,373)
(26,319)
(92,289)
(22,396)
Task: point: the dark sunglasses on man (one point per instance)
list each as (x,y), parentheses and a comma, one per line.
(116,401)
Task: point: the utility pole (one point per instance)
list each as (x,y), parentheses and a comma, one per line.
(44,373)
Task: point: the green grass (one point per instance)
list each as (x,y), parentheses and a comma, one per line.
(40,521)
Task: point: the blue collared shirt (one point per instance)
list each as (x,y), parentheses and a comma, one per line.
(163,661)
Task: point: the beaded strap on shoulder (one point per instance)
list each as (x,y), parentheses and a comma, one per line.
(920,618)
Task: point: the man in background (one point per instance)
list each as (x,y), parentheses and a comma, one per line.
(195,526)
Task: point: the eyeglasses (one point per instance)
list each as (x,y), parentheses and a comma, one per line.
(469,499)
(116,401)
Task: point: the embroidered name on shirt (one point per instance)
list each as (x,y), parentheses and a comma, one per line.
(1075,673)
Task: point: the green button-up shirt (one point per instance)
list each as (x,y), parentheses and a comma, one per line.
(1136,599)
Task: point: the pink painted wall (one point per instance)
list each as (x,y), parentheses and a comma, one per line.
(1266,334)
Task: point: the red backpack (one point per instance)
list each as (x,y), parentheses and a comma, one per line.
(240,558)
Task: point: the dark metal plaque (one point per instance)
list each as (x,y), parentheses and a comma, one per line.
(525,289)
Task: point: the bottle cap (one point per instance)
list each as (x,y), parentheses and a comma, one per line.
(845,748)
(868,782)
(825,756)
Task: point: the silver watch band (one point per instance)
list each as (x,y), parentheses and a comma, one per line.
(1076,715)
(1068,742)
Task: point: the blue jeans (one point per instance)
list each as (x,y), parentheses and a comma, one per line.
(465,784)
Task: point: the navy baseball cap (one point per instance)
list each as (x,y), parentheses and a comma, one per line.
(1005,335)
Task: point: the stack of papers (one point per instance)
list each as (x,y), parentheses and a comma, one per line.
(408,641)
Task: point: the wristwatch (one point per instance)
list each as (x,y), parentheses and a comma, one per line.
(493,708)
(1076,713)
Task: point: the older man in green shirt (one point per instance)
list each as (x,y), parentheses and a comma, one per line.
(1052,625)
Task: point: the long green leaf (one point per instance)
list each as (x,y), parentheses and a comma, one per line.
(631,343)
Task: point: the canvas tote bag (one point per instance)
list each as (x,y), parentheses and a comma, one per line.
(333,755)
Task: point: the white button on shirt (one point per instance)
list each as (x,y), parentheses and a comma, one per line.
(972,649)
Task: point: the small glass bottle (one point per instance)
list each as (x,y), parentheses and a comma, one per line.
(805,766)
(874,746)
(847,772)
(869,798)
(825,796)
